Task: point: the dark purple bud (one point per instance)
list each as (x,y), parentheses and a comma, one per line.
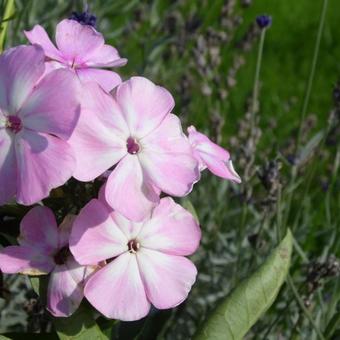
(84,18)
(264,21)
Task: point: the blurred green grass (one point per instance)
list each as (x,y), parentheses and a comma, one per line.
(161,39)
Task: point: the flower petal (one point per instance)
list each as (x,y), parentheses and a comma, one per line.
(129,192)
(124,297)
(171,229)
(105,56)
(7,166)
(25,260)
(51,111)
(39,36)
(76,41)
(108,80)
(95,237)
(167,279)
(212,156)
(64,294)
(20,68)
(168,160)
(64,230)
(44,163)
(99,141)
(144,105)
(39,229)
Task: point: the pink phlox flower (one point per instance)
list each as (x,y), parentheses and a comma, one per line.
(43,248)
(37,116)
(146,261)
(136,131)
(81,49)
(212,156)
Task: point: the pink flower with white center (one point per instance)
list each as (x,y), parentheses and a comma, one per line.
(136,130)
(212,156)
(81,49)
(37,116)
(147,258)
(44,249)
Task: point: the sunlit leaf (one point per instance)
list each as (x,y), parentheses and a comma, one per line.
(244,306)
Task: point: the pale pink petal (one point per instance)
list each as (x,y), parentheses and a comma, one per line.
(102,199)
(129,228)
(44,163)
(212,156)
(39,36)
(95,237)
(53,107)
(128,191)
(167,158)
(7,166)
(117,290)
(39,229)
(20,69)
(99,141)
(64,294)
(105,56)
(108,80)
(26,260)
(78,272)
(171,229)
(76,41)
(144,105)
(64,230)
(167,279)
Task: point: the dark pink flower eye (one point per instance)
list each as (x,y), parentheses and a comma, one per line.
(61,256)
(133,245)
(132,146)
(14,123)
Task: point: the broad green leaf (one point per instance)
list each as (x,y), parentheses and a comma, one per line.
(247,302)
(79,326)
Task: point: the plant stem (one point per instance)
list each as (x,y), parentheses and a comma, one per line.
(9,11)
(312,71)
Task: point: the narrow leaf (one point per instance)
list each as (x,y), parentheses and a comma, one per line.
(8,13)
(234,317)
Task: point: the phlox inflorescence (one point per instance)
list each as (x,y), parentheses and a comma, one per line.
(62,115)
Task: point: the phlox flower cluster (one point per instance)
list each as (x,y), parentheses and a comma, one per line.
(64,113)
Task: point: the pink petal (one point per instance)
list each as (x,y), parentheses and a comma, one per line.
(64,294)
(76,41)
(25,260)
(212,156)
(38,229)
(95,237)
(102,199)
(51,111)
(171,229)
(144,105)
(39,36)
(124,297)
(167,279)
(108,80)
(7,166)
(105,56)
(64,230)
(44,163)
(167,158)
(20,69)
(99,141)
(129,192)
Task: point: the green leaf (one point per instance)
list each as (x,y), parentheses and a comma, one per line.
(244,306)
(186,204)
(8,13)
(81,326)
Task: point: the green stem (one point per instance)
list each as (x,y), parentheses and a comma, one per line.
(254,107)
(9,11)
(312,71)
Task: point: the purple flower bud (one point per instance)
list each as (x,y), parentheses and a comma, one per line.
(84,18)
(264,21)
